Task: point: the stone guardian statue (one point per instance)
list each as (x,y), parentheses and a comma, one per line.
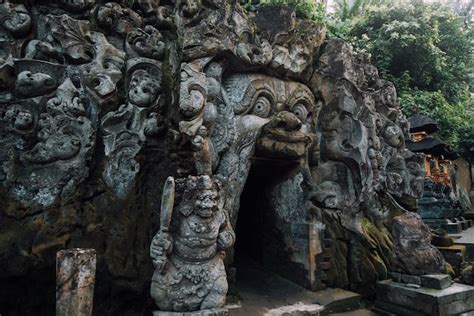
(188,250)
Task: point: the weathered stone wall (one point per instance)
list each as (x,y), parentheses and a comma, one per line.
(101,101)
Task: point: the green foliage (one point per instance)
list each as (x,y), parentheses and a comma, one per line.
(456,121)
(305,9)
(426,50)
(346,9)
(425,43)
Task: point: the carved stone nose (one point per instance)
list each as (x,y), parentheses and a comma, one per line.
(286,120)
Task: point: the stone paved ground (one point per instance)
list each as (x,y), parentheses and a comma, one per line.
(261,291)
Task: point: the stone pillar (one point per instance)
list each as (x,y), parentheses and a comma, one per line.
(75,279)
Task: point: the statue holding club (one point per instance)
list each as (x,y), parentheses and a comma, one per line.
(189,248)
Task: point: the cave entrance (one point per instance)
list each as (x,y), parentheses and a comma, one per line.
(256,232)
(251,217)
(259,250)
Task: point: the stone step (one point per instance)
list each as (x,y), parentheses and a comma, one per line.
(454,255)
(453,228)
(466,238)
(464,223)
(449,227)
(337,300)
(469,215)
(405,300)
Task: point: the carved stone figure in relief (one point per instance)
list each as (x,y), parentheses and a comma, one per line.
(260,116)
(126,129)
(15,21)
(52,145)
(365,176)
(241,87)
(188,250)
(412,249)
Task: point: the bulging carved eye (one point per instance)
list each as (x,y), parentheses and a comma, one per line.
(262,107)
(300,111)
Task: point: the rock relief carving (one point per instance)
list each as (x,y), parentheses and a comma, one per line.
(127,128)
(217,88)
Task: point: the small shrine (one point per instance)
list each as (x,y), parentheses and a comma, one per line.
(439,205)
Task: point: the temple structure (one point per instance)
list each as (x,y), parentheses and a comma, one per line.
(440,205)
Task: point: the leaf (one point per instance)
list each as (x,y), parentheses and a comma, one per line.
(73,37)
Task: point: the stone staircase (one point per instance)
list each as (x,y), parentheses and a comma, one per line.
(465,239)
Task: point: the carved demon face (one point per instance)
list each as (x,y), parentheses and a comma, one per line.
(206,202)
(284,109)
(198,195)
(405,178)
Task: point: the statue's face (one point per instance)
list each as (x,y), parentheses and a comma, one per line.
(285,136)
(143,89)
(393,135)
(405,178)
(206,203)
(24,120)
(389,96)
(284,110)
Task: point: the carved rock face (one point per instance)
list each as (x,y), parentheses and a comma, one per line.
(199,90)
(286,110)
(14,19)
(128,127)
(60,150)
(34,84)
(413,252)
(77,5)
(105,70)
(146,42)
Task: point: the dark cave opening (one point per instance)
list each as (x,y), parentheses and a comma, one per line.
(260,259)
(255,223)
(249,228)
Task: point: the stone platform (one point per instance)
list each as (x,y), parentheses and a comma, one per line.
(465,238)
(405,299)
(455,255)
(451,226)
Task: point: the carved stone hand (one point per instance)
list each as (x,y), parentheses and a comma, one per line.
(160,247)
